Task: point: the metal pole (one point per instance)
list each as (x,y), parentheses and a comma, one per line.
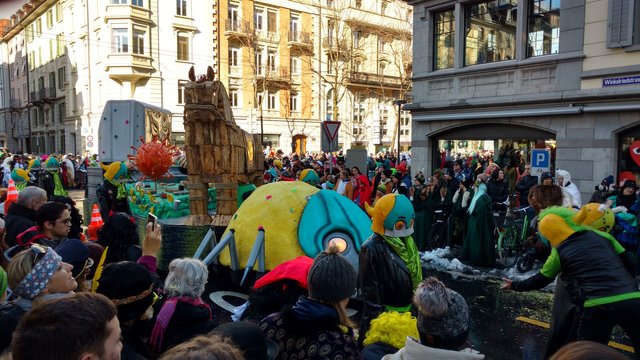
(399,102)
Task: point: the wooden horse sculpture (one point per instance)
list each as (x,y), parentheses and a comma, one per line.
(217,150)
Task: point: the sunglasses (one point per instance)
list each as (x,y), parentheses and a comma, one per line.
(38,252)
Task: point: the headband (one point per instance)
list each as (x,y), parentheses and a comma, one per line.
(38,278)
(130,299)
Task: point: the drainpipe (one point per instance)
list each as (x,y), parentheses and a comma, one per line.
(88,69)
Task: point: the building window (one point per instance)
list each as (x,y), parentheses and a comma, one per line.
(52,81)
(234,60)
(52,49)
(59,12)
(234,97)
(358,110)
(259,98)
(259,63)
(491,31)
(329,105)
(38,25)
(62,142)
(329,3)
(544,27)
(119,2)
(272,21)
(258,19)
(181,7)
(183,47)
(405,123)
(356,38)
(381,66)
(138,42)
(62,77)
(293,101)
(271,60)
(384,120)
(62,111)
(383,7)
(181,84)
(358,4)
(49,18)
(234,17)
(120,41)
(444,32)
(623,27)
(271,100)
(294,64)
(61,45)
(139,3)
(381,43)
(294,26)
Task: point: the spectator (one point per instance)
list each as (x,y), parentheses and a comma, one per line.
(75,232)
(523,186)
(587,350)
(183,315)
(22,214)
(204,347)
(248,337)
(389,260)
(130,287)
(35,275)
(626,206)
(388,333)
(82,326)
(546,178)
(345,186)
(443,325)
(76,253)
(315,322)
(478,243)
(53,221)
(120,234)
(602,281)
(277,290)
(570,190)
(498,187)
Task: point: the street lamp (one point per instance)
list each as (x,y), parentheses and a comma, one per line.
(399,103)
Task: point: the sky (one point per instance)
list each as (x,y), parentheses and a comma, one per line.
(9,7)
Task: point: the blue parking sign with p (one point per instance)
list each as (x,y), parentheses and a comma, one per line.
(540,161)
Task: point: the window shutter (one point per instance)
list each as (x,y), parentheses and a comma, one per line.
(620,23)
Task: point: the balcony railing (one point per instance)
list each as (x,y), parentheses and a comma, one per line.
(277,73)
(15,103)
(237,28)
(359,77)
(300,38)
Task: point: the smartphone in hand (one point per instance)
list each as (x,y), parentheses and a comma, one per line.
(153,220)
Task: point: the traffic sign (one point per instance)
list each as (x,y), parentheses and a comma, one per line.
(90,138)
(89,144)
(540,161)
(331,129)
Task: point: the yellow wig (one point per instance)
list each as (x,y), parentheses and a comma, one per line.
(392,328)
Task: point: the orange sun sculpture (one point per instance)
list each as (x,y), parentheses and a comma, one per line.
(154,158)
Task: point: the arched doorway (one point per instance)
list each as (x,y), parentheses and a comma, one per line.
(300,144)
(499,142)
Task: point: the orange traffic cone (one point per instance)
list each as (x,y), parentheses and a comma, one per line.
(96,223)
(12,196)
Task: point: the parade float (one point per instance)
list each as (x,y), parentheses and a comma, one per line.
(220,213)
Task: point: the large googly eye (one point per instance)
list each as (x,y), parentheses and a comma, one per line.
(338,242)
(636,150)
(399,225)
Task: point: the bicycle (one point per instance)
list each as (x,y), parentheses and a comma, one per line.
(512,228)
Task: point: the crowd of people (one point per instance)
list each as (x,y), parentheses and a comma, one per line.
(66,297)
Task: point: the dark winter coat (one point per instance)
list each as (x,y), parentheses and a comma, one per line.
(108,200)
(310,330)
(187,322)
(18,219)
(10,315)
(523,186)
